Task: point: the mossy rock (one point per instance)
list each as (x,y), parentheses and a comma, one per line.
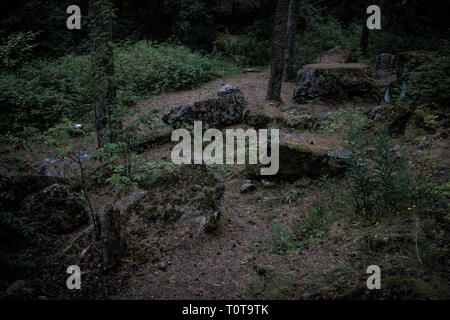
(334,81)
(24,185)
(55,210)
(189,196)
(297,160)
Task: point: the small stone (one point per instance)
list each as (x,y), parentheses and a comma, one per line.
(268,184)
(306,296)
(162,266)
(247,187)
(258,195)
(16,285)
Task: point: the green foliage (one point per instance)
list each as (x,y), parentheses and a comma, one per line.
(147,68)
(429,87)
(283,240)
(341,119)
(322,35)
(258,51)
(377,177)
(314,225)
(20,224)
(150,171)
(45,91)
(17,49)
(194,24)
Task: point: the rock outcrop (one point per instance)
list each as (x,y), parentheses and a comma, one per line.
(188,197)
(337,81)
(299,160)
(55,210)
(384,63)
(225,108)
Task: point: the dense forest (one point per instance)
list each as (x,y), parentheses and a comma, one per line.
(94,204)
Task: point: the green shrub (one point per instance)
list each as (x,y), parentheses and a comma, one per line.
(17,49)
(376,174)
(429,87)
(45,91)
(259,51)
(318,37)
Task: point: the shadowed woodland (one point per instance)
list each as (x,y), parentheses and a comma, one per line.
(86,176)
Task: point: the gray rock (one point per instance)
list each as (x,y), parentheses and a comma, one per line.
(247,187)
(75,130)
(333,82)
(225,108)
(15,286)
(268,184)
(306,296)
(258,195)
(385,62)
(376,113)
(340,152)
(188,197)
(55,209)
(298,160)
(257,120)
(301,122)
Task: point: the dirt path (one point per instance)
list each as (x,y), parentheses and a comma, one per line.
(228,265)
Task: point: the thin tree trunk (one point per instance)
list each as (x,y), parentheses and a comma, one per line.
(365,31)
(104,92)
(278,51)
(291,33)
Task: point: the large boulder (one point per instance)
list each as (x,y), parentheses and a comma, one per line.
(337,81)
(188,197)
(298,160)
(55,210)
(385,63)
(225,108)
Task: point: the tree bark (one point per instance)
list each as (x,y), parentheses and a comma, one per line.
(278,51)
(104,92)
(291,33)
(365,31)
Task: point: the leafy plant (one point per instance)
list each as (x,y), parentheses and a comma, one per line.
(377,177)
(58,139)
(17,49)
(256,50)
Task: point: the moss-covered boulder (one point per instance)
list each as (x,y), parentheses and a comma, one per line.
(337,81)
(55,210)
(298,159)
(225,108)
(188,197)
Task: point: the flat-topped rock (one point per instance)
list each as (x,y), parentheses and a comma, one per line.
(225,108)
(336,81)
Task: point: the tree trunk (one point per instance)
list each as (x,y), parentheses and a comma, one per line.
(104,92)
(291,33)
(278,51)
(365,31)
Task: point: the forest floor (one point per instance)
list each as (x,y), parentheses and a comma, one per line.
(248,258)
(253,255)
